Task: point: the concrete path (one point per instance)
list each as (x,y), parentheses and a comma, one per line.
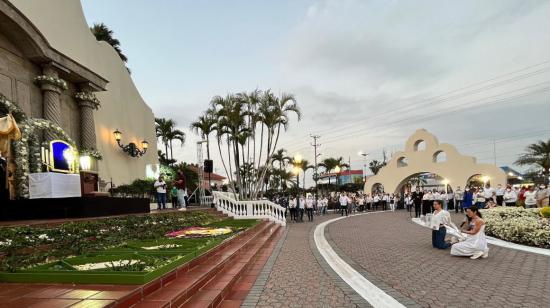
(299,277)
(398,254)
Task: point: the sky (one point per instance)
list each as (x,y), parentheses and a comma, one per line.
(366,74)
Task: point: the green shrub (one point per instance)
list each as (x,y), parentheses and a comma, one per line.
(545,212)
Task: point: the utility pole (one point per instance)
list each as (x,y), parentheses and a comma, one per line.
(494,151)
(315,174)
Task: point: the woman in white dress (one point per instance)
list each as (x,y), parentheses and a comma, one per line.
(475,245)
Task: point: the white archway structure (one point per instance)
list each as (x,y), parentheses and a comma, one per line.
(456,168)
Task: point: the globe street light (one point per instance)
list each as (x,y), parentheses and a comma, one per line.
(337,170)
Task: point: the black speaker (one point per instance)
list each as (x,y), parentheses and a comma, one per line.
(208,166)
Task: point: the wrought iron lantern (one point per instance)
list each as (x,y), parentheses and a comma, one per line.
(131,148)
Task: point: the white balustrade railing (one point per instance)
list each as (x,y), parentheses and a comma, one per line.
(257,209)
(207,200)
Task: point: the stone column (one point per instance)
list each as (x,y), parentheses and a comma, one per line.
(87,102)
(51,86)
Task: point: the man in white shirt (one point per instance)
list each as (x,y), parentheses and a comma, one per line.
(344,200)
(160,186)
(459,196)
(500,194)
(488,193)
(530,198)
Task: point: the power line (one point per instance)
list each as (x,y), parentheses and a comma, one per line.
(427,101)
(446,112)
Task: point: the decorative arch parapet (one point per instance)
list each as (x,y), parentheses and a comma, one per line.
(456,168)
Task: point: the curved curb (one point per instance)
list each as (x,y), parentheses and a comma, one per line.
(366,289)
(503,243)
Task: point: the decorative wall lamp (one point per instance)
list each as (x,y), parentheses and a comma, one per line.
(131,148)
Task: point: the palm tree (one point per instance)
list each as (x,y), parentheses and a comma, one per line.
(205,125)
(304,165)
(103,33)
(538,155)
(163,128)
(175,134)
(375,166)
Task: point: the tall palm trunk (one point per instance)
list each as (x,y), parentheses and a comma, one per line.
(221,157)
(171,150)
(166,148)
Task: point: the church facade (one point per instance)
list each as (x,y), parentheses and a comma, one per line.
(60,83)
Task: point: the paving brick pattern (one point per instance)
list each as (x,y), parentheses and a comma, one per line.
(297,279)
(398,252)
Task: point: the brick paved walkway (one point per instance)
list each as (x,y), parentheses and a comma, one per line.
(297,279)
(392,248)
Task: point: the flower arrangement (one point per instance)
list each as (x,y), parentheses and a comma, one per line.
(88,96)
(27,149)
(58,82)
(518,225)
(195,232)
(91,152)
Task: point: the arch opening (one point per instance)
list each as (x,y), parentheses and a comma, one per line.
(420,145)
(402,162)
(424,180)
(440,157)
(377,188)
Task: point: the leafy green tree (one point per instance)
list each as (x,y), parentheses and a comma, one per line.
(103,33)
(205,125)
(537,155)
(376,165)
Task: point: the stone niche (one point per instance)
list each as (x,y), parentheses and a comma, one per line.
(16,83)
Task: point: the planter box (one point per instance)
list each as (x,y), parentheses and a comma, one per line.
(65,272)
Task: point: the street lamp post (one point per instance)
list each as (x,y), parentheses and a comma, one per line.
(365,164)
(297,160)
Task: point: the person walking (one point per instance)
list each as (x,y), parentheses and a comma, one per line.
(292,208)
(160,186)
(181,185)
(542,196)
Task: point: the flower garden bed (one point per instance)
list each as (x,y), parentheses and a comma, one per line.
(130,250)
(518,225)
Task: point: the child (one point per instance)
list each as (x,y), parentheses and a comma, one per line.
(174,194)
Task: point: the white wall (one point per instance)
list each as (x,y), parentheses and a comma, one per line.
(63,24)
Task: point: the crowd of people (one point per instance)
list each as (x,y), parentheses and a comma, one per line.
(481,197)
(421,200)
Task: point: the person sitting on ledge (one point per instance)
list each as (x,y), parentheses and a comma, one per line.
(440,218)
(475,245)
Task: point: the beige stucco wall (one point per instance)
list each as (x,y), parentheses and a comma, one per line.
(63,24)
(457,168)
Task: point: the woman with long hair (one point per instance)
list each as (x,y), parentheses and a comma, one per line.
(475,245)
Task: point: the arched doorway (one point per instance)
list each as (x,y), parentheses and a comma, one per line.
(478,181)
(424,180)
(377,188)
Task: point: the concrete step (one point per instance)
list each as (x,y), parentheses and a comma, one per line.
(182,284)
(221,286)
